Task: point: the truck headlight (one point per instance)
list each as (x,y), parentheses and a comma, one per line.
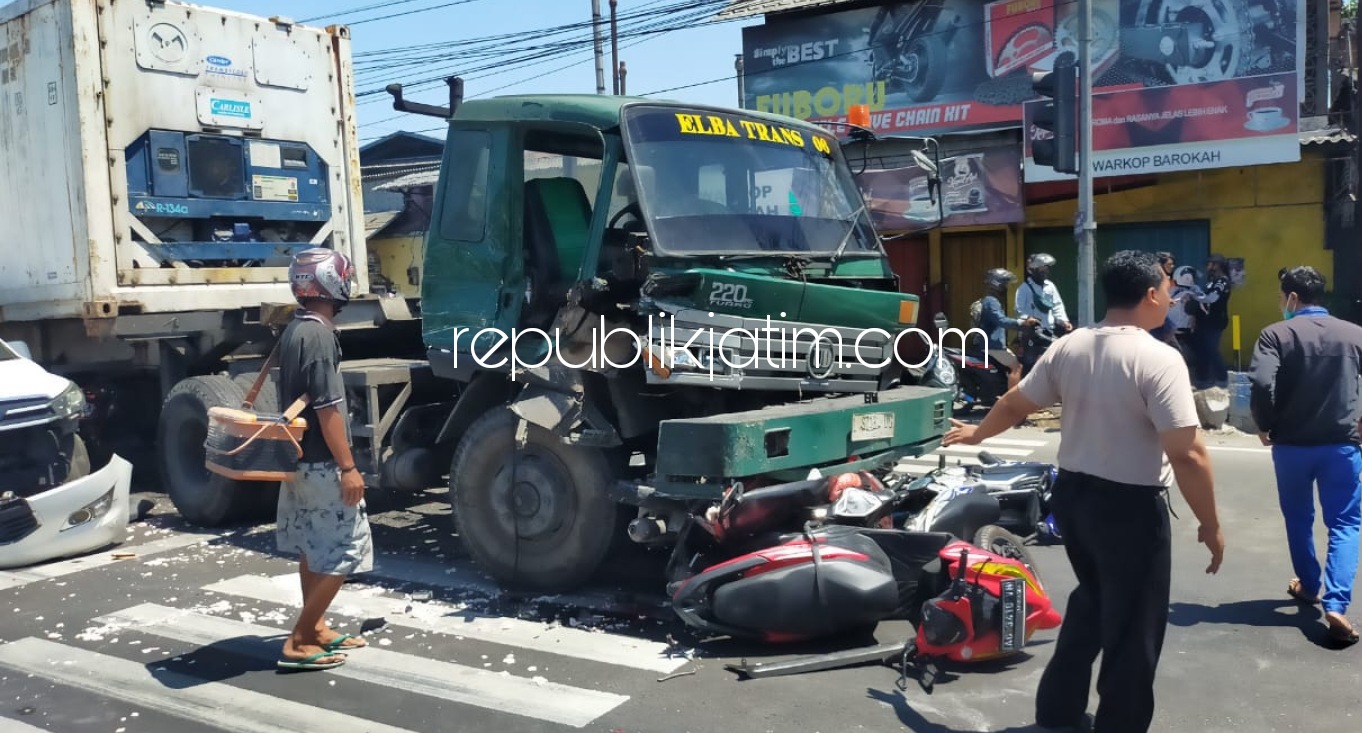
(90,512)
(70,403)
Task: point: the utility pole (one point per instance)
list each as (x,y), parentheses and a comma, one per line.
(1086,224)
(623,72)
(614,47)
(600,54)
(742,91)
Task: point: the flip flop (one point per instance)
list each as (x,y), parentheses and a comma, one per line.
(1293,589)
(1341,630)
(310,662)
(338,643)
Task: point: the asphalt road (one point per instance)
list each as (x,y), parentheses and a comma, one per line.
(183,636)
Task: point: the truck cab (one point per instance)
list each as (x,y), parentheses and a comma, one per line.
(641,305)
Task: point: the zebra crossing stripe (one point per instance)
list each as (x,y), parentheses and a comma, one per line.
(565,641)
(542,700)
(10,725)
(179,695)
(38,573)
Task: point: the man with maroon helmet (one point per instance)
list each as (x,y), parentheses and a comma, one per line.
(322,516)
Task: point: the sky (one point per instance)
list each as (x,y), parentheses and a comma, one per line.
(697,53)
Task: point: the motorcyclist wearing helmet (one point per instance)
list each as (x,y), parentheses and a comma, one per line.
(994,321)
(321,513)
(1039,299)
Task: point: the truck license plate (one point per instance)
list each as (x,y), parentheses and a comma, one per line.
(872,426)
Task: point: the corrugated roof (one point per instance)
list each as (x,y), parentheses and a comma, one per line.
(426,177)
(377,220)
(1326,137)
(748,8)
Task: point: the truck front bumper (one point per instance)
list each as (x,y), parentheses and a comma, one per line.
(698,457)
(75,517)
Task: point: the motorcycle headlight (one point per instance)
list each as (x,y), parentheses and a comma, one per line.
(70,403)
(945,371)
(90,512)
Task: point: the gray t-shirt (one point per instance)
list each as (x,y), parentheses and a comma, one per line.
(309,363)
(1120,388)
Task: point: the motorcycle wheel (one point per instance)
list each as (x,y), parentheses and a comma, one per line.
(926,58)
(999,541)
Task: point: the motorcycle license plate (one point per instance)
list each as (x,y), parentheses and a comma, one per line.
(1013,636)
(872,426)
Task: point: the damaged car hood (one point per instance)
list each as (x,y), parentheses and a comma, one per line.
(21,379)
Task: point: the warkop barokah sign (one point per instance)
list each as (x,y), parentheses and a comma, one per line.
(1177,84)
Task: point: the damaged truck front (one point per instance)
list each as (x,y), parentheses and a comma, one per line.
(640,305)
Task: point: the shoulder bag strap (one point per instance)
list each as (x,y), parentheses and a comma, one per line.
(260,378)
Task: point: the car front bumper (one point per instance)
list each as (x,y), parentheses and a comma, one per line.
(34,529)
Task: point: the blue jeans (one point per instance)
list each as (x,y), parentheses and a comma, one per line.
(1209,366)
(1336,468)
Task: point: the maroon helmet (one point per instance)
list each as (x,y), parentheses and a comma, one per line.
(322,274)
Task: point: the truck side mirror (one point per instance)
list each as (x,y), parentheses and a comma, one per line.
(940,321)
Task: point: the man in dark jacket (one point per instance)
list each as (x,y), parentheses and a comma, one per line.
(1304,398)
(994,321)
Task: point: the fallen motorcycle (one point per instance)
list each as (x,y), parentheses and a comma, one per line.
(735,573)
(1022,489)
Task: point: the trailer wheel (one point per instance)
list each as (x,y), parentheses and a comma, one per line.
(203,498)
(536,517)
(999,541)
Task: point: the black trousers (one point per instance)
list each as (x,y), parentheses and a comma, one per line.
(1118,540)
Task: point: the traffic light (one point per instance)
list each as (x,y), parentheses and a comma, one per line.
(1058,116)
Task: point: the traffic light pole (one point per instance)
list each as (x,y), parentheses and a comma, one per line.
(1086,223)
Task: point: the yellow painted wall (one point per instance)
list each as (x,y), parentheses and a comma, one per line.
(1271,215)
(395,255)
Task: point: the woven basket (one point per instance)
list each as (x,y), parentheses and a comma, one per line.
(245,445)
(248,446)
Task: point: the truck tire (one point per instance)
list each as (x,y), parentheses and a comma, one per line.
(999,541)
(536,518)
(202,497)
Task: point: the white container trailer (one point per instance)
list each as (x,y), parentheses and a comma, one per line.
(164,157)
(159,164)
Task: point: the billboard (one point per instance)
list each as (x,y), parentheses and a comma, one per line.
(1186,84)
(978,187)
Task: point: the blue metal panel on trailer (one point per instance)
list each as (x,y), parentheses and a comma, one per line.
(192,208)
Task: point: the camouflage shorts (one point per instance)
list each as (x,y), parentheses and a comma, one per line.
(314,523)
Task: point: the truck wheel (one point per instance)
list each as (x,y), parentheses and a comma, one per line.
(999,541)
(202,497)
(537,517)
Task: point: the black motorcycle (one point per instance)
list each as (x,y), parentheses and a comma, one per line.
(909,45)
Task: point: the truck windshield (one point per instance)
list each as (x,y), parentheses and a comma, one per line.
(6,353)
(726,183)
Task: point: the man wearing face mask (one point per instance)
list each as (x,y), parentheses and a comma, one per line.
(1304,398)
(1038,299)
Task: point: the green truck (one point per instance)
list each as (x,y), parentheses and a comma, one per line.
(628,307)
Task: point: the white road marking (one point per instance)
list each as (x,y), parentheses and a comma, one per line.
(440,573)
(1014,449)
(38,573)
(10,725)
(1238,449)
(975,450)
(1014,441)
(182,696)
(564,641)
(482,688)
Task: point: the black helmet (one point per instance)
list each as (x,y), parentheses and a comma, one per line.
(1039,261)
(998,278)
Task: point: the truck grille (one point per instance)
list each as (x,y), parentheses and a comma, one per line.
(782,355)
(17,521)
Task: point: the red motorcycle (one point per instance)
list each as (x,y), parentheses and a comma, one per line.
(844,572)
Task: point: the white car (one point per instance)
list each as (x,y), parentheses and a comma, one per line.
(51,504)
